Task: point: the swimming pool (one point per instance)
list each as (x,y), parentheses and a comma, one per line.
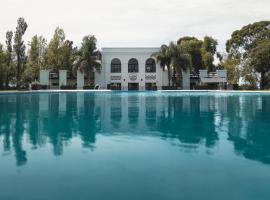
(135,145)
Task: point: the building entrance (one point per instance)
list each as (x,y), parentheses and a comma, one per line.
(133,86)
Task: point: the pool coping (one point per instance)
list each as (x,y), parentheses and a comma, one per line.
(180,91)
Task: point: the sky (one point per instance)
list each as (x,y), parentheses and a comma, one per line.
(133,23)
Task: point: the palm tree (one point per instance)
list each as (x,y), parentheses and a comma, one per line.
(180,60)
(164,58)
(88,57)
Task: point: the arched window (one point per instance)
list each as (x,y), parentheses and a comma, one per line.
(150,65)
(116,66)
(133,65)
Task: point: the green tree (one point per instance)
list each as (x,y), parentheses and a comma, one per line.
(66,55)
(2,67)
(180,60)
(35,60)
(192,46)
(164,58)
(19,48)
(242,46)
(10,72)
(232,67)
(88,57)
(208,51)
(260,61)
(53,51)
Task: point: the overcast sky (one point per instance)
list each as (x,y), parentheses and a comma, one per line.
(118,23)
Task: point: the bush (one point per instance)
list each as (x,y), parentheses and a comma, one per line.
(37,86)
(247,87)
(10,88)
(68,87)
(88,87)
(169,88)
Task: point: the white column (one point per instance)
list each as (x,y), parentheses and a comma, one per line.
(80,80)
(62,78)
(203,73)
(62,104)
(186,80)
(44,77)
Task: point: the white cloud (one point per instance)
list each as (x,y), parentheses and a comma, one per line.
(133,22)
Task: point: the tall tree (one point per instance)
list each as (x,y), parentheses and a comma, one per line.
(35,60)
(260,60)
(164,58)
(2,67)
(208,51)
(89,58)
(241,46)
(180,60)
(53,52)
(19,47)
(66,55)
(230,64)
(9,59)
(192,46)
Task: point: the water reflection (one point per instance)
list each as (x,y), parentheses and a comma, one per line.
(193,120)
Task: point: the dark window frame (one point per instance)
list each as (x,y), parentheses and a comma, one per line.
(133,66)
(116,66)
(150,66)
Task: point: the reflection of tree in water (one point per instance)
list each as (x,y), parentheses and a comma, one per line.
(251,137)
(133,110)
(87,126)
(183,120)
(190,119)
(21,114)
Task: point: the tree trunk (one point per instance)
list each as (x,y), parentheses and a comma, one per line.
(263,81)
(174,77)
(169,75)
(7,80)
(18,71)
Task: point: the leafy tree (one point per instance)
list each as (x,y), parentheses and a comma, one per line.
(35,60)
(19,47)
(60,52)
(231,65)
(164,58)
(53,52)
(66,55)
(202,52)
(244,43)
(208,51)
(88,57)
(10,72)
(244,40)
(260,61)
(180,60)
(2,67)
(192,46)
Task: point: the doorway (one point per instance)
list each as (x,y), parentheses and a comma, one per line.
(133,86)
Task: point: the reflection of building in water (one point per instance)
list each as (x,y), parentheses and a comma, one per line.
(123,112)
(194,120)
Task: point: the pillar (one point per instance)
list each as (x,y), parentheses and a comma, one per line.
(80,80)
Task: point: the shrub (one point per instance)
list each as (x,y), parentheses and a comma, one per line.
(68,87)
(169,88)
(37,86)
(88,87)
(247,87)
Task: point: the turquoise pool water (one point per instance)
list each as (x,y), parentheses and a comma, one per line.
(134,145)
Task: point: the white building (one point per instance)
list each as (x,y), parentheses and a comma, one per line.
(133,69)
(130,69)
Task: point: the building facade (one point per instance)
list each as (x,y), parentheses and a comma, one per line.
(135,69)
(130,69)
